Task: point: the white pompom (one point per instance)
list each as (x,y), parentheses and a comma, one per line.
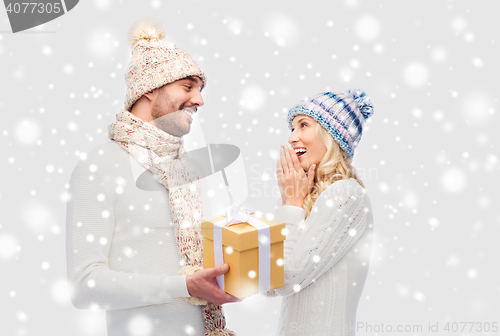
(145,29)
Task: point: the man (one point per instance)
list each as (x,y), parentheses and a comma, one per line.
(134,246)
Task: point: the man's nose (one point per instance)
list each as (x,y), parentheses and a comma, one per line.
(197,99)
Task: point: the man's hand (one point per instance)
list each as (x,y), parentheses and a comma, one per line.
(204,285)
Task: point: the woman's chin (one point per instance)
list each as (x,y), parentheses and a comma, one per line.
(304,163)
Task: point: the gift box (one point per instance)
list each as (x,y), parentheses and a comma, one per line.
(254,255)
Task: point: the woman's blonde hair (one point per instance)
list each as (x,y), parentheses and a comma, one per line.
(335,165)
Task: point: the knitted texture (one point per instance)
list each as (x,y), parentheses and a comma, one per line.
(326,258)
(164,155)
(155,62)
(343,115)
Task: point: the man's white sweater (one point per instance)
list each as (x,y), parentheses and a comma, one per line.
(121,250)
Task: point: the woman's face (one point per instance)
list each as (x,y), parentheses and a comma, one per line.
(304,141)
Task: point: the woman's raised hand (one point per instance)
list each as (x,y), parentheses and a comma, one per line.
(293,182)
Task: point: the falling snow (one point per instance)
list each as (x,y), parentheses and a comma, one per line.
(429,156)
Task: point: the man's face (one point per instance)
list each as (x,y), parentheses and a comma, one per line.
(174,105)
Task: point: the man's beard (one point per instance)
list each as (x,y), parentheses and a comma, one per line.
(168,122)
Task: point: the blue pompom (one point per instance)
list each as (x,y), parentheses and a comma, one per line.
(364,103)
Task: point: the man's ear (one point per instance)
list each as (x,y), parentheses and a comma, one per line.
(151,95)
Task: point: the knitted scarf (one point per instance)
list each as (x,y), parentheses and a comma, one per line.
(164,155)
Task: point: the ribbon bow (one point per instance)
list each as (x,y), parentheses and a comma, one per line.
(236,214)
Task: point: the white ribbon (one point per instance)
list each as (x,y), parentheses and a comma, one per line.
(235,215)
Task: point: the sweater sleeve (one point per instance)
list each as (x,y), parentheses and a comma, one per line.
(314,245)
(89,234)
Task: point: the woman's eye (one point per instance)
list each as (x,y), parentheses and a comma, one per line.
(300,126)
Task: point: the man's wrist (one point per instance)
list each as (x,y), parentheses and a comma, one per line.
(187,285)
(176,285)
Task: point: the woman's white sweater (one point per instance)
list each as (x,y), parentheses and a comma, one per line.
(326,262)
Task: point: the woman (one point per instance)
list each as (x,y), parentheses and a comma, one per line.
(327,215)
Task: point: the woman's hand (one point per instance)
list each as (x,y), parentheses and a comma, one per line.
(293,182)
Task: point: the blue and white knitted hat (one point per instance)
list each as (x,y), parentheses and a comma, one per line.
(342,114)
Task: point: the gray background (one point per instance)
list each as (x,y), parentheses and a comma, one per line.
(428,156)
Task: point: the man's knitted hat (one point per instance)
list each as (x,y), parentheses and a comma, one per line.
(155,62)
(342,114)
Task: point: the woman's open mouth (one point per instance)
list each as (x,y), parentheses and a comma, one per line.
(300,152)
